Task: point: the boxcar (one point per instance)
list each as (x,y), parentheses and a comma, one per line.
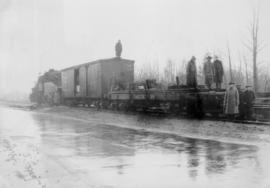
(93,81)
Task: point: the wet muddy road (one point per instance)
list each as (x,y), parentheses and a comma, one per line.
(40,150)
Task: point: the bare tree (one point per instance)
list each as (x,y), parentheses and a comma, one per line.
(239,76)
(254,46)
(149,71)
(169,71)
(181,71)
(265,81)
(240,64)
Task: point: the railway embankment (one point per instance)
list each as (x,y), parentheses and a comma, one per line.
(203,129)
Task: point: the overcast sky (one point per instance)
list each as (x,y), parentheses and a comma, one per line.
(36,35)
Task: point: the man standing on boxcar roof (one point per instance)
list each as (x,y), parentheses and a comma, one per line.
(208,71)
(118,48)
(192,73)
(231,101)
(218,72)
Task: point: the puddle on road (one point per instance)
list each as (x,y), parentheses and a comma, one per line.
(103,155)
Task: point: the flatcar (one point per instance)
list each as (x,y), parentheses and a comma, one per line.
(184,100)
(199,102)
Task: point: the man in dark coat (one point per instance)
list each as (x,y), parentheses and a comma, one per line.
(118,48)
(192,73)
(218,72)
(208,72)
(248,99)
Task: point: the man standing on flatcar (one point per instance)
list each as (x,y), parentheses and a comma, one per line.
(208,71)
(218,72)
(192,73)
(248,99)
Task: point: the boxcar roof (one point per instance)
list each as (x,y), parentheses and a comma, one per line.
(99,61)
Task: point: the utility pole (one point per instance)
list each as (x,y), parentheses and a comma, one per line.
(230,63)
(246,67)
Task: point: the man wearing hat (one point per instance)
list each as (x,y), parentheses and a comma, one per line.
(231,101)
(208,71)
(248,99)
(191,76)
(218,72)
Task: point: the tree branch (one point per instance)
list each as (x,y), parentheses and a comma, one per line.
(261,47)
(248,47)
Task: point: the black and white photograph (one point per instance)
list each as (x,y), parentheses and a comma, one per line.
(134,93)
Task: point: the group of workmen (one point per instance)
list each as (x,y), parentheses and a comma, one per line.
(234,105)
(238,103)
(213,72)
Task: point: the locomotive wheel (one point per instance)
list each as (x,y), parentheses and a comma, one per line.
(173,107)
(99,105)
(113,106)
(122,106)
(215,114)
(104,104)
